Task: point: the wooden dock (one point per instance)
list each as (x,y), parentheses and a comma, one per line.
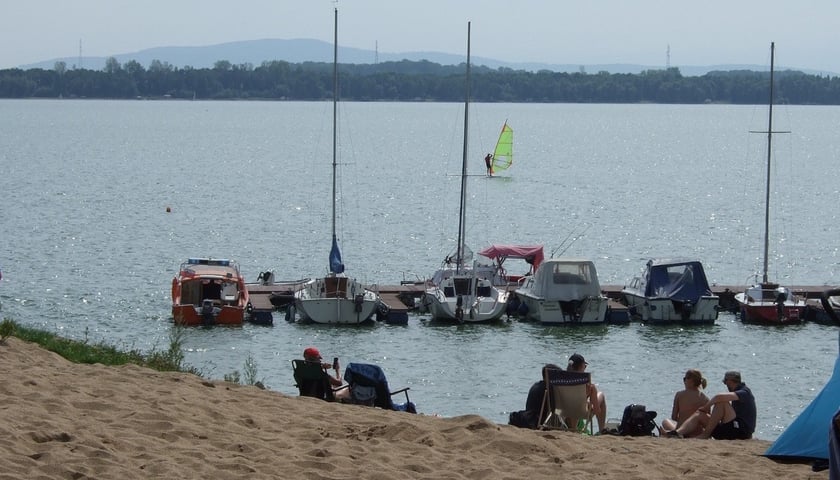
(401,299)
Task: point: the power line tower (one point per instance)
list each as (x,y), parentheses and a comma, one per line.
(668,58)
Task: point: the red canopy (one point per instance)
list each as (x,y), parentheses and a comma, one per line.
(532,254)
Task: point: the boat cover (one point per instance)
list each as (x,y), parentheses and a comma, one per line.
(676,279)
(566,279)
(532,254)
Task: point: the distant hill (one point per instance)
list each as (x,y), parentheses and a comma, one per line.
(307,50)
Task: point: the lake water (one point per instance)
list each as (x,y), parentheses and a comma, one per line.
(89,250)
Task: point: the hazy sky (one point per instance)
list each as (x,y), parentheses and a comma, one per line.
(710,32)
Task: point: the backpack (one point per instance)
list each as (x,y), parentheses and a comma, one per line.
(522,419)
(636,421)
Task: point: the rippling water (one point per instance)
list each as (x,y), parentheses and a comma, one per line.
(89,251)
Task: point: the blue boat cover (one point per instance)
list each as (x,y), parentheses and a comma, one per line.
(682,281)
(808,435)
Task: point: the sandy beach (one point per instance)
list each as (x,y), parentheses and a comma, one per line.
(63,420)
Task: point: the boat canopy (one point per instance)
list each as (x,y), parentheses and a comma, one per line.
(675,279)
(566,279)
(533,254)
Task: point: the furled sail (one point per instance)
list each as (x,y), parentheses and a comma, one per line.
(503,154)
(336,266)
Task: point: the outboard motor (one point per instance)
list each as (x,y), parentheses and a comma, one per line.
(358,302)
(266,278)
(208,313)
(459,308)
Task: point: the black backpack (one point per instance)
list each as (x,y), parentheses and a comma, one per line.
(637,422)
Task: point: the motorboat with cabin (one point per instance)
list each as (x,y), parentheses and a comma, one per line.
(208,291)
(563,290)
(671,291)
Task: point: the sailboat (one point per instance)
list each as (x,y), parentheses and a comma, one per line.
(768,302)
(335,298)
(463,295)
(503,153)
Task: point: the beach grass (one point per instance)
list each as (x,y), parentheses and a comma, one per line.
(170,360)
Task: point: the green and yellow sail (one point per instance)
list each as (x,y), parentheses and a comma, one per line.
(503,154)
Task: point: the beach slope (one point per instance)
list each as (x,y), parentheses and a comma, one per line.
(64,420)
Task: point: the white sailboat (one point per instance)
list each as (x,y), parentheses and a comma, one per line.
(768,302)
(464,296)
(335,298)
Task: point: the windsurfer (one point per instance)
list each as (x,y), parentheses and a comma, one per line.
(488,161)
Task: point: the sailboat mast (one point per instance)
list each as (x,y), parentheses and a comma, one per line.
(769,146)
(335,116)
(461,222)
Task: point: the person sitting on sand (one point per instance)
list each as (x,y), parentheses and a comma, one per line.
(687,401)
(596,398)
(312,355)
(530,417)
(727,416)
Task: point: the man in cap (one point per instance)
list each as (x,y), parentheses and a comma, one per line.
(596,398)
(726,416)
(312,355)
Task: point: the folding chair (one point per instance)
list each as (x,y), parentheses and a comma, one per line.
(566,401)
(312,380)
(368,386)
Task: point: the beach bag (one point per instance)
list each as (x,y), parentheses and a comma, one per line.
(522,419)
(637,421)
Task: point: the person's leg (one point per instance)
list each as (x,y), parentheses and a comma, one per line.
(721,413)
(669,425)
(602,411)
(698,420)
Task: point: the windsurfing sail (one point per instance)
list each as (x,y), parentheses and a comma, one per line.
(503,154)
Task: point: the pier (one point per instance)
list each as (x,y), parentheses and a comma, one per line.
(402,299)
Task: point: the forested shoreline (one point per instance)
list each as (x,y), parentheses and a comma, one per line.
(409,81)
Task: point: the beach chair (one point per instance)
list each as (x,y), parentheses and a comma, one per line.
(311,380)
(368,386)
(566,402)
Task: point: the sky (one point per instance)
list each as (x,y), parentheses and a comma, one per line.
(579,32)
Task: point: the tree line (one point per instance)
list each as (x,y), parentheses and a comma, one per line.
(412,81)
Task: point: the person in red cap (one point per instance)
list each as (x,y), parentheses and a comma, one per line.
(596,398)
(312,355)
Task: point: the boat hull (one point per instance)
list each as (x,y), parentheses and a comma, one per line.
(555,312)
(757,306)
(704,310)
(471,309)
(464,308)
(190,315)
(336,300)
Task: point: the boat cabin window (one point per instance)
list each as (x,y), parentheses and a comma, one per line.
(483,291)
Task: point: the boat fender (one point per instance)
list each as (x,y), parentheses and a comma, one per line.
(290,313)
(249,308)
(382,312)
(358,302)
